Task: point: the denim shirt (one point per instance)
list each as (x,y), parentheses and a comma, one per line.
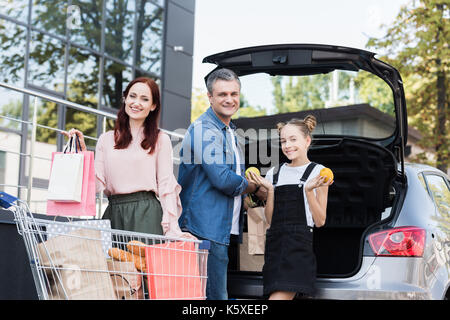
(207,175)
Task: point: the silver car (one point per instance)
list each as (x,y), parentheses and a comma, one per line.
(387,233)
(406,256)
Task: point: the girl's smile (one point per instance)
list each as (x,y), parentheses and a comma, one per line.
(294,144)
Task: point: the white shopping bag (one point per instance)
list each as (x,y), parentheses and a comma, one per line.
(66,177)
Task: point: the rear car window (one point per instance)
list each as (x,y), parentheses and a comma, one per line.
(441,193)
(422,181)
(352,103)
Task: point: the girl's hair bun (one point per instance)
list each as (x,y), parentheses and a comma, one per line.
(310,122)
(306,125)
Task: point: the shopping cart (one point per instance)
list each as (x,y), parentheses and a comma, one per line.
(83,260)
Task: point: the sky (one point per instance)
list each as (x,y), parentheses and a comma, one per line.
(222,25)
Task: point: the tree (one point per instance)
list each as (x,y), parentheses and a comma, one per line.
(47,55)
(300,93)
(417,45)
(200,104)
(12,109)
(248,111)
(374,91)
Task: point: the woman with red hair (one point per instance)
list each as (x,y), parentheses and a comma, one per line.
(134,166)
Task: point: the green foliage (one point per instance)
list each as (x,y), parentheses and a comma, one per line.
(11,56)
(417,44)
(248,111)
(12,109)
(200,103)
(300,93)
(293,94)
(375,92)
(48,54)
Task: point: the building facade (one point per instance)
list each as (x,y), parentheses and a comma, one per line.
(86,52)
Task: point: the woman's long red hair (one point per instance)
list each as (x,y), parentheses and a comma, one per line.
(122,132)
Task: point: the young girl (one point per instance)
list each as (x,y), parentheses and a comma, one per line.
(296,201)
(134,168)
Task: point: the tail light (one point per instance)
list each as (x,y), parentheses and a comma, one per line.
(403,241)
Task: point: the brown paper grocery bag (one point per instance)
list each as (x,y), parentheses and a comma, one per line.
(257,226)
(126,280)
(76,266)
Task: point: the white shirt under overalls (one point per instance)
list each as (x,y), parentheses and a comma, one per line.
(238,198)
(292,175)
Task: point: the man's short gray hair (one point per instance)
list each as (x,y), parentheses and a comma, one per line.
(221,74)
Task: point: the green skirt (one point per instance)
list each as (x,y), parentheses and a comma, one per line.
(139,212)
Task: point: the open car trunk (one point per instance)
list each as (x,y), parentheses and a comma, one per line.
(363,154)
(365,172)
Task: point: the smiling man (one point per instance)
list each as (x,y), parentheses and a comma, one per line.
(211,174)
(224,98)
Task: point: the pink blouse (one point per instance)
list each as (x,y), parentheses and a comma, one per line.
(121,171)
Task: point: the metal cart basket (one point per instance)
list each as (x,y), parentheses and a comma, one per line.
(88,260)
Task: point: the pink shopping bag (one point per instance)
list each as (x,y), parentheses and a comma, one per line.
(86,207)
(173,271)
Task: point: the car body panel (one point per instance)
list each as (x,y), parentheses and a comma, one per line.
(386,278)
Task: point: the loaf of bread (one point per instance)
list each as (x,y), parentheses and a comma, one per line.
(122,255)
(137,248)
